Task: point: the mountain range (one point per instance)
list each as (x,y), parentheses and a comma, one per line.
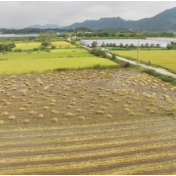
(164,21)
(46,26)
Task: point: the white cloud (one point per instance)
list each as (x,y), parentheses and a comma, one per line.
(20,14)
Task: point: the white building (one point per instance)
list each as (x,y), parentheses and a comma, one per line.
(73,37)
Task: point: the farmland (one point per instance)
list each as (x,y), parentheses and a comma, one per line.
(24,62)
(92,121)
(166,59)
(28,46)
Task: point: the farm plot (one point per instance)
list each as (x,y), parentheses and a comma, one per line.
(62,44)
(28,46)
(15,63)
(166,59)
(90,121)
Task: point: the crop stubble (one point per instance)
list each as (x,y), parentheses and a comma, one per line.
(132,139)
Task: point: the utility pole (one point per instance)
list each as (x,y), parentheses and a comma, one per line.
(96,36)
(138,52)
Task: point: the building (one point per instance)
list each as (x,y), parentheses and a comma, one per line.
(103,49)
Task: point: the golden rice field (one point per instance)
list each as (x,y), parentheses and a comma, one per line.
(166,59)
(87,122)
(58,44)
(18,63)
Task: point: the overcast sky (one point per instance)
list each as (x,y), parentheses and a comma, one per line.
(20,14)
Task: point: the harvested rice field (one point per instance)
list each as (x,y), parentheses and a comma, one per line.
(87,122)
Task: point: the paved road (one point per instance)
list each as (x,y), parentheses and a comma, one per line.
(158,70)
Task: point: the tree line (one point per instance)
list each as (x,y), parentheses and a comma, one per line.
(7,47)
(130,46)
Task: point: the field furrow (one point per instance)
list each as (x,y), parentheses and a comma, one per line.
(87,122)
(166,156)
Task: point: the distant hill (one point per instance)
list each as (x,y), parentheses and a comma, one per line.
(164,21)
(46,26)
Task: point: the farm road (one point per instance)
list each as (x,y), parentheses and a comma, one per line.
(158,70)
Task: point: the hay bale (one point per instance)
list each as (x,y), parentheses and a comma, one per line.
(11,117)
(161,107)
(108,116)
(52,104)
(81,118)
(129,102)
(2,122)
(32,96)
(69,114)
(31,102)
(131,113)
(54,101)
(54,112)
(54,119)
(103,108)
(46,87)
(45,107)
(22,109)
(69,106)
(127,109)
(99,112)
(4,114)
(152,111)
(91,105)
(78,110)
(32,112)
(94,102)
(7,103)
(40,116)
(73,103)
(26,121)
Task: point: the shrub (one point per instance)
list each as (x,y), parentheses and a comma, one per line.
(45,44)
(53,47)
(18,50)
(35,49)
(113,57)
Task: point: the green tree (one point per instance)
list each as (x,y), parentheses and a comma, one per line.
(157,45)
(146,45)
(53,47)
(103,44)
(45,44)
(121,45)
(94,44)
(113,57)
